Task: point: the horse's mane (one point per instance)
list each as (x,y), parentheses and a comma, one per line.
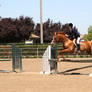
(61,33)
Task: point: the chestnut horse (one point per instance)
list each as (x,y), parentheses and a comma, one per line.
(68,45)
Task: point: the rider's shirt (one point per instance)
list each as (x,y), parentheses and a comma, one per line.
(73,34)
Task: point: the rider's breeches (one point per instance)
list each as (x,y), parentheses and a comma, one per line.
(74,42)
(78,40)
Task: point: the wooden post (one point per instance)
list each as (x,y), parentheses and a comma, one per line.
(41,23)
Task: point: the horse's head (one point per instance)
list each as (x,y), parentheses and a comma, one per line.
(58,37)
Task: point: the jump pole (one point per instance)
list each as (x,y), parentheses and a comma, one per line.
(49,60)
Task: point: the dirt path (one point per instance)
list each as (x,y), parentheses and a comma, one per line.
(73,77)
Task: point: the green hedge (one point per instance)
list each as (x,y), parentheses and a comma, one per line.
(32,50)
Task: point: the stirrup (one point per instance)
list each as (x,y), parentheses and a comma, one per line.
(79,51)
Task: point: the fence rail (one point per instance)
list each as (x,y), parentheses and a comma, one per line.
(31,51)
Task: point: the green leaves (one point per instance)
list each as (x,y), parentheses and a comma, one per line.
(89,35)
(15,30)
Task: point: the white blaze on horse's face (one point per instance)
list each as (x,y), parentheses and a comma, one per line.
(55,38)
(52,41)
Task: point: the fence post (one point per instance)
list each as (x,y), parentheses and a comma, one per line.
(13,57)
(20,60)
(16,58)
(37,53)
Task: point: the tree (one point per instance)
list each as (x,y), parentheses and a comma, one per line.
(19,29)
(85,37)
(48,30)
(89,35)
(15,30)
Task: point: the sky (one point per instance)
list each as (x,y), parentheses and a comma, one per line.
(79,12)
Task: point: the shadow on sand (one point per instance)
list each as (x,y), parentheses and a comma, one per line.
(72,71)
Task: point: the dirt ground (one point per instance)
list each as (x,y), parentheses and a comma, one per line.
(72,77)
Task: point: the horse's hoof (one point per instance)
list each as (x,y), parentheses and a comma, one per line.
(79,52)
(64,59)
(59,60)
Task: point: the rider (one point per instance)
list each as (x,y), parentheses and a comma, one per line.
(74,35)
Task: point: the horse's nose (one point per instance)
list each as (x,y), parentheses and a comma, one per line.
(53,42)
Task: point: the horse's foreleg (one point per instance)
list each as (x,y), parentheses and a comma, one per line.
(63,57)
(58,57)
(62,51)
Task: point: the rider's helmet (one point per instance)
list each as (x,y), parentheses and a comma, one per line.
(70,25)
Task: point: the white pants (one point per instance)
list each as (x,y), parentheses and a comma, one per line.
(78,41)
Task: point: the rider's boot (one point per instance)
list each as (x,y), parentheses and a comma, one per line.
(78,48)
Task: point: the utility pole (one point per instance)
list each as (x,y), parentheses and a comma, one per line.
(41,24)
